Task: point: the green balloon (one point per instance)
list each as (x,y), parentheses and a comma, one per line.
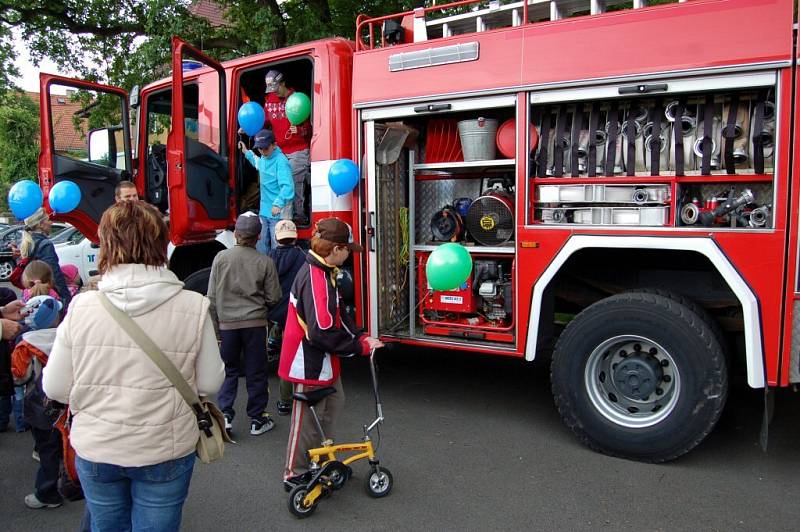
(448,267)
(298,108)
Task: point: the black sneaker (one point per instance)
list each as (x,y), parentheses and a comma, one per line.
(261,425)
(284,408)
(292,482)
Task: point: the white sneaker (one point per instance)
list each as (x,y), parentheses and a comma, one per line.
(261,425)
(31,501)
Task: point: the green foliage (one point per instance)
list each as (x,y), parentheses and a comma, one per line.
(127,43)
(19,134)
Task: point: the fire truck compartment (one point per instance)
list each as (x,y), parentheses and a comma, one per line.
(442,179)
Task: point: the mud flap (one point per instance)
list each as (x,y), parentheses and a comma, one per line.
(769,412)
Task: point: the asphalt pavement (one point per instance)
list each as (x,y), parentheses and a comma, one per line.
(475,443)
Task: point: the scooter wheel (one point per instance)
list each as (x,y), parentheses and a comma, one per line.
(296,505)
(379,482)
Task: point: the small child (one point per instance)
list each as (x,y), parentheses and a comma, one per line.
(38,281)
(289,258)
(73,278)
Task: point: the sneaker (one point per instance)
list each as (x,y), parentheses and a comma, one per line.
(284,408)
(31,501)
(35,456)
(228,423)
(261,425)
(292,482)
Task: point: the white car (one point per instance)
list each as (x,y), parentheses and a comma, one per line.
(79,251)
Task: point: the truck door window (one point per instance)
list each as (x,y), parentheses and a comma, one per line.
(298,76)
(159,120)
(75,113)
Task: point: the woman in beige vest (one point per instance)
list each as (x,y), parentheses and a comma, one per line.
(133,433)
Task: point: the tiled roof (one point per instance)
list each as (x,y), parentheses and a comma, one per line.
(209,10)
(65,135)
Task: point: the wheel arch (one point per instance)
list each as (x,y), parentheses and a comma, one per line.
(706,247)
(185,260)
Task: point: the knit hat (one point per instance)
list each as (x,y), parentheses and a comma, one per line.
(70,271)
(36,218)
(43,312)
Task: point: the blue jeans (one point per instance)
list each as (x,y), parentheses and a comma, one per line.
(136,498)
(266,240)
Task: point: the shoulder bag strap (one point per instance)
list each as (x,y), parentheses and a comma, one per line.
(141,339)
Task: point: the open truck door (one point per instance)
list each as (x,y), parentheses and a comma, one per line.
(85,138)
(200,188)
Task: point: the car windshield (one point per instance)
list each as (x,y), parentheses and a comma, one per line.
(63,236)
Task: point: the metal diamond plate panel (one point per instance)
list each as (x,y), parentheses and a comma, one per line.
(392,276)
(794,363)
(431,196)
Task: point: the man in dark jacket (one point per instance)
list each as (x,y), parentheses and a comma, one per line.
(288,260)
(242,287)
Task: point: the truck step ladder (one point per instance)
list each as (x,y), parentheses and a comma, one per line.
(497,14)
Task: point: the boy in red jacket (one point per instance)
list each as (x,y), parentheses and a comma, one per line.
(317,333)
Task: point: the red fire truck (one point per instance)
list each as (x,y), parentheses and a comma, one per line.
(622,178)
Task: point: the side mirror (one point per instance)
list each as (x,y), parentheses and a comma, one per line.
(102,146)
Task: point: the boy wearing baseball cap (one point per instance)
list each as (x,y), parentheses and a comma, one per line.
(317,333)
(289,258)
(275,183)
(242,287)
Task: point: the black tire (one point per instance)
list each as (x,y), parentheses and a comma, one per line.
(296,497)
(338,475)
(6,267)
(198,281)
(379,482)
(641,376)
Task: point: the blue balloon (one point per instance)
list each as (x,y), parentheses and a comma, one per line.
(251,118)
(343,176)
(24,198)
(64,197)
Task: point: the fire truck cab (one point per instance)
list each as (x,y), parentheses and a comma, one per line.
(623,181)
(182,149)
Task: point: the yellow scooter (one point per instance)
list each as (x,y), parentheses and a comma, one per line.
(328,472)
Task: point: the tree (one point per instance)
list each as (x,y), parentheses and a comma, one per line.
(127,42)
(19,133)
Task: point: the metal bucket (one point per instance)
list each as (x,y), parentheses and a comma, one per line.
(478,138)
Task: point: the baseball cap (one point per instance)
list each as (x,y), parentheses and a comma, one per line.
(248,224)
(285,229)
(272,79)
(335,230)
(264,138)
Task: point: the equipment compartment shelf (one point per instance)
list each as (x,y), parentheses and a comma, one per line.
(466,166)
(509,248)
